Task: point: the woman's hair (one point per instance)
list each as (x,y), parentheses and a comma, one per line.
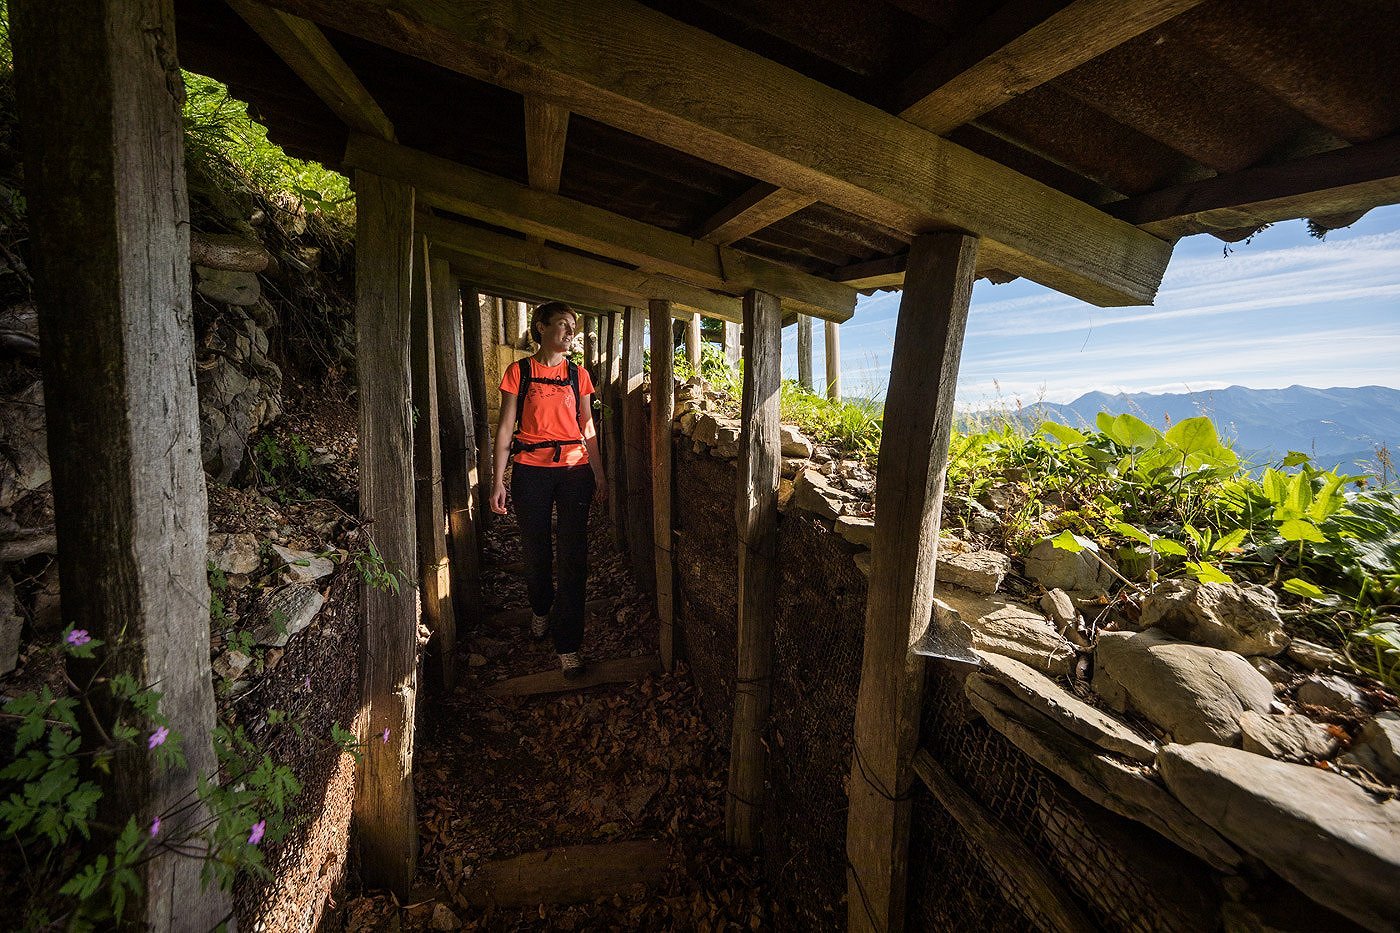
(545,314)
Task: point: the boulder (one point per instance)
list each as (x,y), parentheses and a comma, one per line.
(227,286)
(1316,829)
(1316,657)
(1230,616)
(1195,693)
(1063,614)
(303,566)
(688,420)
(812,491)
(1332,692)
(1126,789)
(234,553)
(1067,710)
(706,429)
(979,571)
(1288,738)
(794,444)
(856,529)
(1001,497)
(1077,571)
(1377,748)
(1011,629)
(287,611)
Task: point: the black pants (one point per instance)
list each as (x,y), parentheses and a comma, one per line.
(536,492)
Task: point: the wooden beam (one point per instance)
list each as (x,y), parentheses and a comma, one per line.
(731,342)
(693,342)
(474,352)
(98,92)
(885,272)
(1353,178)
(534,286)
(663,403)
(546,130)
(504,203)
(456,411)
(913,456)
(636,451)
(308,52)
(759,207)
(611,671)
(804,352)
(385,817)
(569,874)
(833,361)
(1051,904)
(624,64)
(1020,47)
(613,436)
(537,257)
(434,583)
(756,511)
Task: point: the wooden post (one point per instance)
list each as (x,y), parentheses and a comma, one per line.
(636,451)
(98,90)
(590,346)
(913,455)
(663,405)
(477,345)
(519,324)
(693,342)
(833,361)
(612,430)
(384,808)
(459,456)
(804,352)
(756,516)
(731,342)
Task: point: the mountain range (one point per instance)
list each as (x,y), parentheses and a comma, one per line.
(1333,426)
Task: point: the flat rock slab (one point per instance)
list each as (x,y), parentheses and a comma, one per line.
(1014,630)
(615,671)
(1322,833)
(1228,616)
(1289,738)
(569,874)
(979,571)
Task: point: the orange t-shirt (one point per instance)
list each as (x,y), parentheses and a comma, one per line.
(550,413)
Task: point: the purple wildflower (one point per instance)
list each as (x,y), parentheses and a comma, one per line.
(256,835)
(155,827)
(79,636)
(385,736)
(158,737)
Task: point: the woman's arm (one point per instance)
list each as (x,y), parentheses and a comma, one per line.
(590,443)
(501,457)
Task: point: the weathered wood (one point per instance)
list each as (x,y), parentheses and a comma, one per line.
(1053,906)
(228,251)
(590,347)
(508,204)
(632,67)
(385,820)
(913,455)
(459,451)
(756,518)
(613,451)
(875,273)
(636,451)
(693,342)
(569,874)
(1021,47)
(476,382)
(546,130)
(760,206)
(614,671)
(804,352)
(663,403)
(833,361)
(519,316)
(538,286)
(306,51)
(434,581)
(731,342)
(99,93)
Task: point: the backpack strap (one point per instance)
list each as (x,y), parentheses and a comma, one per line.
(573,384)
(523,365)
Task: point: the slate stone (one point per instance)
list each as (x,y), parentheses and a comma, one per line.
(1080,571)
(1288,738)
(1062,613)
(1229,616)
(979,571)
(230,288)
(794,444)
(1377,748)
(812,491)
(1316,657)
(1011,629)
(303,566)
(1332,692)
(856,529)
(234,553)
(286,612)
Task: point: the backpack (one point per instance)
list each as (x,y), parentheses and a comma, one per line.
(527,377)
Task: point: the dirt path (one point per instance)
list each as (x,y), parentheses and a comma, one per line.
(498,778)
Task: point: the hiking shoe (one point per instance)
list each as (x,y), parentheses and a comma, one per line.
(571,663)
(539,626)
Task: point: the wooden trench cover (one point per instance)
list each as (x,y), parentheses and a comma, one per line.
(753,163)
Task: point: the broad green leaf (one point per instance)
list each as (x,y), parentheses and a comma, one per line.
(1229,542)
(1207,572)
(1300,587)
(1133,432)
(1296,529)
(1328,499)
(1104,422)
(1129,531)
(1062,432)
(1168,546)
(1196,537)
(1295,458)
(1193,436)
(1275,486)
(1067,541)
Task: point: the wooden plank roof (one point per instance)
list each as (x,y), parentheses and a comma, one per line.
(1063,122)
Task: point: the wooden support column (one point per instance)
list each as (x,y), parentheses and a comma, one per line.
(590,346)
(833,361)
(519,322)
(459,450)
(663,405)
(731,342)
(612,433)
(387,827)
(804,352)
(434,585)
(693,342)
(636,450)
(913,455)
(478,344)
(756,515)
(98,90)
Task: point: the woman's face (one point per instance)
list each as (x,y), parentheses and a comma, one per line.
(557,334)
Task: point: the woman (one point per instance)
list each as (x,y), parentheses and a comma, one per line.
(546,433)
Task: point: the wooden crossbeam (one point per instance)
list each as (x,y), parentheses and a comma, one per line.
(614,671)
(308,52)
(546,129)
(760,206)
(568,874)
(524,254)
(634,68)
(504,203)
(1021,47)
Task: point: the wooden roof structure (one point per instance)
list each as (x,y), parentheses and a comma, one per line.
(809,142)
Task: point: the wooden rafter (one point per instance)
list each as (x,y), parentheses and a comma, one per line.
(760,206)
(505,203)
(631,67)
(546,129)
(308,52)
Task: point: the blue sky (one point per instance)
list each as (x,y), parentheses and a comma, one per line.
(1284,309)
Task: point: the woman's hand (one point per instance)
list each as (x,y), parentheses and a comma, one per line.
(600,488)
(498,498)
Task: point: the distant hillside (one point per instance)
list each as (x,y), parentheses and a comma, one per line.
(1332,425)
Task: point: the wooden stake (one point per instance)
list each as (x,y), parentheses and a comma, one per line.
(636,451)
(663,403)
(731,342)
(98,91)
(476,348)
(459,456)
(913,455)
(833,361)
(693,342)
(756,515)
(804,352)
(612,431)
(387,827)
(590,347)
